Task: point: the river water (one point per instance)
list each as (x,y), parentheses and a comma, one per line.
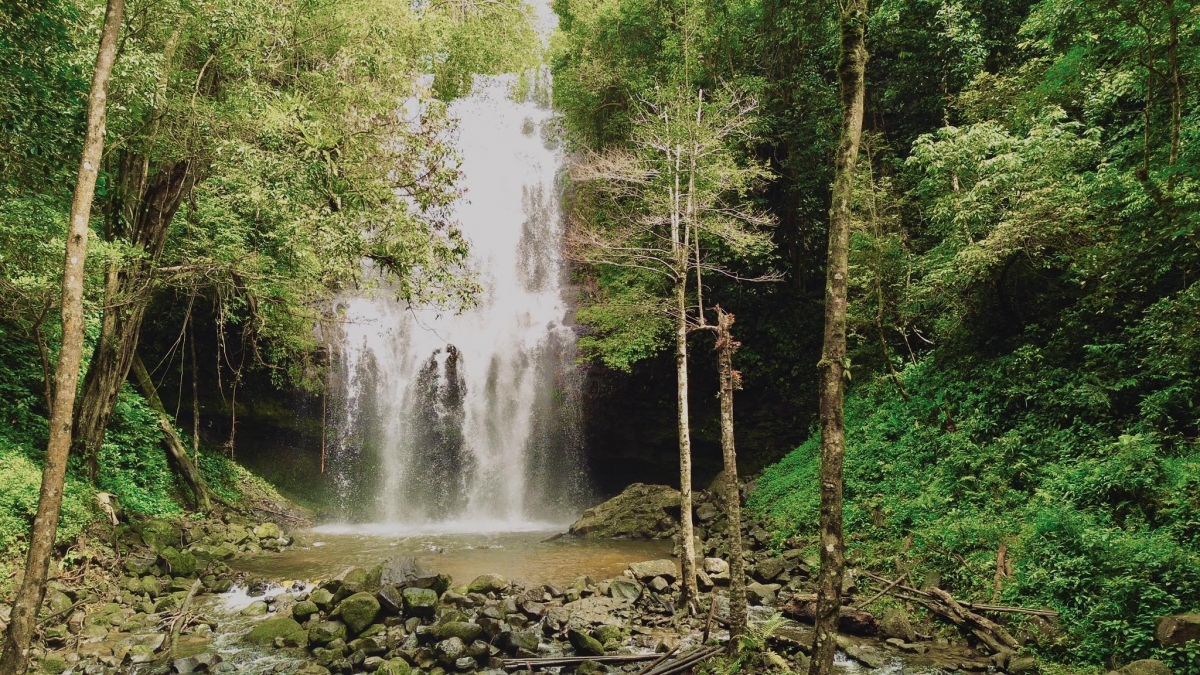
(523,556)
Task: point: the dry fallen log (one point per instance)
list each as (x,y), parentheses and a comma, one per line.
(938,601)
(554,661)
(900,590)
(851,620)
(685,662)
(989,632)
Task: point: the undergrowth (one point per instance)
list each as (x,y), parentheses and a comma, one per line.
(1101,522)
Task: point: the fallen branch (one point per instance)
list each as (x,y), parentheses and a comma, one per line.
(685,662)
(554,661)
(1002,609)
(181,618)
(47,619)
(652,666)
(880,594)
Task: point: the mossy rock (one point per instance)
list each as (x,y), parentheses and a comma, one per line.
(640,512)
(327,631)
(265,633)
(467,632)
(358,611)
(157,534)
(179,563)
(304,609)
(420,602)
(322,597)
(394,667)
(488,583)
(584,644)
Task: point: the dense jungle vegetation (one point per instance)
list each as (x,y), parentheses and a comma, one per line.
(253,157)
(1025,298)
(1024,314)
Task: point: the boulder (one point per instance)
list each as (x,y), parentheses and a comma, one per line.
(896,624)
(654,568)
(284,627)
(488,583)
(1146,667)
(584,644)
(268,531)
(58,602)
(420,602)
(640,512)
(139,563)
(762,594)
(256,608)
(358,611)
(327,631)
(625,588)
(1178,629)
(467,632)
(716,568)
(158,534)
(321,598)
(178,564)
(450,650)
(391,599)
(769,570)
(302,610)
(394,667)
(522,639)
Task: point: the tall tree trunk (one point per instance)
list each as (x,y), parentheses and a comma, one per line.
(175,448)
(195,392)
(851,68)
(686,530)
(142,216)
(14,660)
(680,229)
(729,379)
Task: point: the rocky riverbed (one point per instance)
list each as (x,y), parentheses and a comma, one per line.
(162,597)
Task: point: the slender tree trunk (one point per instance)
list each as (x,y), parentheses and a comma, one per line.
(14,660)
(729,379)
(195,393)
(851,68)
(143,215)
(686,530)
(680,249)
(175,448)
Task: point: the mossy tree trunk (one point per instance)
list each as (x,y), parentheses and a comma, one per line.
(833,372)
(729,381)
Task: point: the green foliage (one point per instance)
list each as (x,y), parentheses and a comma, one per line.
(1101,524)
(133,461)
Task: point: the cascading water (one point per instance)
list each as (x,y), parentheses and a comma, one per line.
(470,420)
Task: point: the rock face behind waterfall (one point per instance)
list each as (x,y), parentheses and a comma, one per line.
(443,466)
(640,512)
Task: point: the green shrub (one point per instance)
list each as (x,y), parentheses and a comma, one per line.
(1101,523)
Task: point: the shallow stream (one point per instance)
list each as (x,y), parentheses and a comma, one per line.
(524,556)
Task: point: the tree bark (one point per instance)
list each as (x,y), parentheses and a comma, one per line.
(175,448)
(147,205)
(14,660)
(851,69)
(195,392)
(729,380)
(686,536)
(680,248)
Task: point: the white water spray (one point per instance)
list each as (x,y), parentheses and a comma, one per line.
(471,418)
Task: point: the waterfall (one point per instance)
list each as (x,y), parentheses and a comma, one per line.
(470,419)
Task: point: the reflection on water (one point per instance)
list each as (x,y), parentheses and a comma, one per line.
(523,556)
